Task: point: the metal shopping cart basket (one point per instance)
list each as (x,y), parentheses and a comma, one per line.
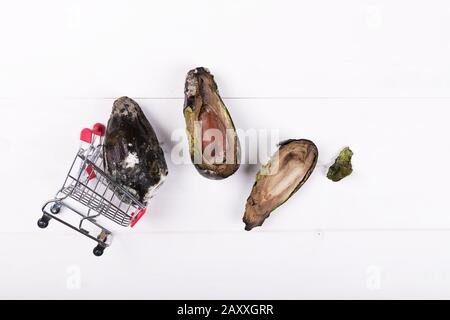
(89,193)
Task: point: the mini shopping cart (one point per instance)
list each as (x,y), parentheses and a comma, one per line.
(89,192)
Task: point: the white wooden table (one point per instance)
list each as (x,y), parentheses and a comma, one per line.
(374,75)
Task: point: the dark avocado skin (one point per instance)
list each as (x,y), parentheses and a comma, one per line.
(129,131)
(211,174)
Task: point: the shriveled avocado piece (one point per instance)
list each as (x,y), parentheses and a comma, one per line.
(342,167)
(279,179)
(213,143)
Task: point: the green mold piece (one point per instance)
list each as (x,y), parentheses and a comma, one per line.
(342,167)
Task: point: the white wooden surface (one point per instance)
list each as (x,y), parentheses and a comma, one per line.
(374,75)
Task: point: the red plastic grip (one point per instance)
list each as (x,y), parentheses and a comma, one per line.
(138,217)
(99,129)
(86,135)
(90,172)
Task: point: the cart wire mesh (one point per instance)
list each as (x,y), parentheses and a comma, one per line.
(89,185)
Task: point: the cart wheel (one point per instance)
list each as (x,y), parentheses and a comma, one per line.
(43,222)
(98,250)
(56,208)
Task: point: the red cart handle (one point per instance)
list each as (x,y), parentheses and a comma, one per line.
(86,135)
(99,129)
(138,217)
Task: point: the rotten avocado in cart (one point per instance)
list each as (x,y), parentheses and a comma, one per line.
(115,172)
